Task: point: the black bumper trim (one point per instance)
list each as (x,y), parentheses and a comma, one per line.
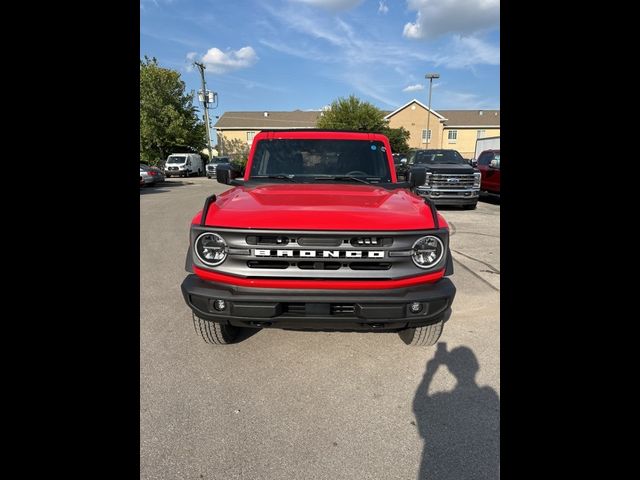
(372,309)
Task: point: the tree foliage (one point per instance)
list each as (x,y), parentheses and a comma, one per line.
(354,114)
(398,139)
(168,119)
(236,149)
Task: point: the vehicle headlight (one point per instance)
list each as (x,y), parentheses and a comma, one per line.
(476,179)
(427,251)
(211,249)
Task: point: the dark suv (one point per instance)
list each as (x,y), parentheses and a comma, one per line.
(450,180)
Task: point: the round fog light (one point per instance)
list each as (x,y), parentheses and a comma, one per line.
(220,305)
(415,307)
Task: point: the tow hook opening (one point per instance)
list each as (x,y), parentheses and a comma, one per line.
(374,325)
(260,324)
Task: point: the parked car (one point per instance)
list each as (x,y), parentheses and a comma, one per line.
(151,175)
(184,165)
(213,165)
(489,166)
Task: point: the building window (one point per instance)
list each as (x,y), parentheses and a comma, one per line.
(250,136)
(453,136)
(424,135)
(481,133)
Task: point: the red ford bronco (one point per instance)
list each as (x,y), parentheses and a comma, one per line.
(319,235)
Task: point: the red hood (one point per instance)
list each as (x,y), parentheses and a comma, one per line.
(319,207)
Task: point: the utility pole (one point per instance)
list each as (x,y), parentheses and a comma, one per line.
(205,101)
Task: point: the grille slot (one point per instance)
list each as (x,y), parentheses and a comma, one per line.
(319,242)
(267,240)
(295,308)
(370,265)
(267,264)
(340,309)
(319,265)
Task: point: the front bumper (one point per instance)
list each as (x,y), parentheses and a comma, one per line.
(450,196)
(319,309)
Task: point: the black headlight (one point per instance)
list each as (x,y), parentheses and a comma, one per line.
(211,249)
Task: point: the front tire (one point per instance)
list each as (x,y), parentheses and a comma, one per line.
(215,333)
(422,336)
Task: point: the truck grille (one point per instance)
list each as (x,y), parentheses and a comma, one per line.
(172,169)
(451,181)
(319,255)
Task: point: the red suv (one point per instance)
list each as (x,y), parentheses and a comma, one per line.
(319,235)
(489,166)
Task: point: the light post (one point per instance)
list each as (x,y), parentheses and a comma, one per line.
(430,76)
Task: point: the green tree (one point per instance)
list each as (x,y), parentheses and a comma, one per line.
(352,114)
(168,119)
(398,139)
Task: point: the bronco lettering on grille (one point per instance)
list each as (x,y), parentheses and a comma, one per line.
(318,253)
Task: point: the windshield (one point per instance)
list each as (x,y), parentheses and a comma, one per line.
(439,156)
(310,160)
(176,160)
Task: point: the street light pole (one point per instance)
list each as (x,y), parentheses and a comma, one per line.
(430,76)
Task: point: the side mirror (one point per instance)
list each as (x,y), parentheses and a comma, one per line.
(494,163)
(473,162)
(403,160)
(417,178)
(223,174)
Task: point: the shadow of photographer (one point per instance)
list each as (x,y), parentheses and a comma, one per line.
(460,427)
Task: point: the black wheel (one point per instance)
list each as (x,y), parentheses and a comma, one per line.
(470,207)
(199,172)
(215,333)
(209,177)
(422,336)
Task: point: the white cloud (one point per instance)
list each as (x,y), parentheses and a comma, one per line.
(382,7)
(468,51)
(218,61)
(331,4)
(438,17)
(413,88)
(449,99)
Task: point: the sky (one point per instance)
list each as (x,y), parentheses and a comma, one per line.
(302,54)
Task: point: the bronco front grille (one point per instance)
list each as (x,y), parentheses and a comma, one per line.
(320,255)
(451,180)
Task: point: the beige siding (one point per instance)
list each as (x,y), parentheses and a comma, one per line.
(415,120)
(230,135)
(466,141)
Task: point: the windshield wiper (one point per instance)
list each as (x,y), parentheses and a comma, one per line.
(344,177)
(279,176)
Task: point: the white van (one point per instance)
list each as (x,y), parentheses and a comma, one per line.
(183,165)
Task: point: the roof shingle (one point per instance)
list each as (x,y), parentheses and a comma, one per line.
(257,120)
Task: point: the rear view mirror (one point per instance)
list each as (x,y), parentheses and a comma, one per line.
(494,163)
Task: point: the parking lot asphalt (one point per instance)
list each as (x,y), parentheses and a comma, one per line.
(315,405)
